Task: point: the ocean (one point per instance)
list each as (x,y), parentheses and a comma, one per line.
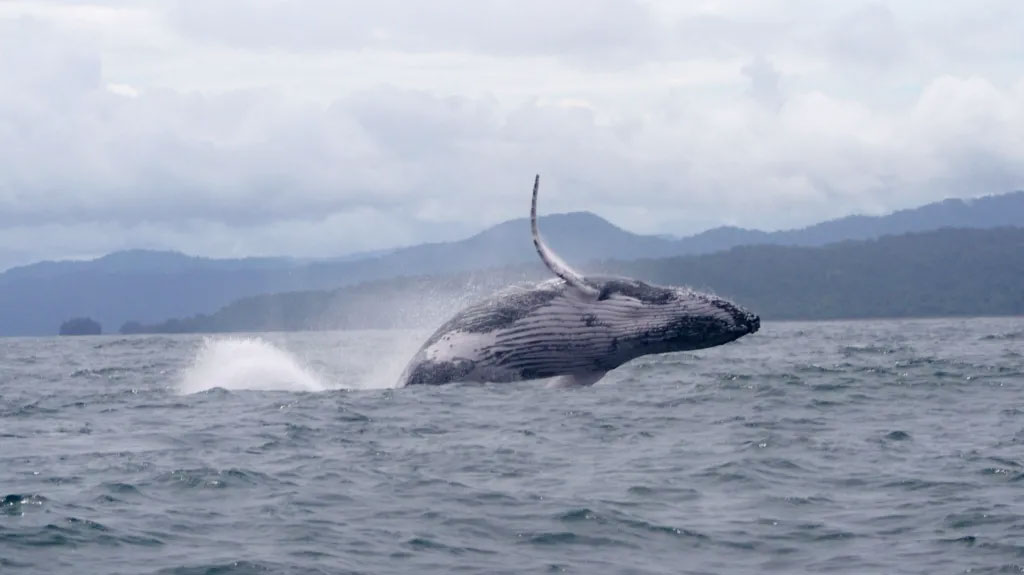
(830,447)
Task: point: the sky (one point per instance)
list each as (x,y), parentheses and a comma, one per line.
(316,128)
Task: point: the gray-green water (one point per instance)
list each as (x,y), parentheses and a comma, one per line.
(846,447)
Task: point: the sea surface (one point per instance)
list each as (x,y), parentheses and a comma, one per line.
(837,447)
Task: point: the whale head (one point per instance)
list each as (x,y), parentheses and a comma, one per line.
(659,319)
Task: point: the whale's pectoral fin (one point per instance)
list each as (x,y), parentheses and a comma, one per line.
(558,267)
(578,379)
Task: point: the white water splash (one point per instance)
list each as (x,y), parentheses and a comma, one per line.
(247,364)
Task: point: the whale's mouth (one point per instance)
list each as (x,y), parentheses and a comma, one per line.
(753,324)
(744,321)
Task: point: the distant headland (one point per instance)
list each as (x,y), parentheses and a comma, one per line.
(81,326)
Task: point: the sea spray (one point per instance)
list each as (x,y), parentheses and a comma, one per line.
(249,363)
(396,348)
(253,363)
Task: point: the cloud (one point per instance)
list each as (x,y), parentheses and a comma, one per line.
(764,82)
(584,29)
(226,131)
(867,35)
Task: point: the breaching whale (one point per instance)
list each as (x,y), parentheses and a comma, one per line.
(574,326)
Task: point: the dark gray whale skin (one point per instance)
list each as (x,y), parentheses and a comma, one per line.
(572,326)
(546,331)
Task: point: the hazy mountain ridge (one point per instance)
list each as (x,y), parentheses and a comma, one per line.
(143,262)
(984,212)
(949,272)
(148,286)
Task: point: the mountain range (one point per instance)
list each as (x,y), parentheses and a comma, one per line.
(946,272)
(150,286)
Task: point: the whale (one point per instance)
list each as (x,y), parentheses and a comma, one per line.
(572,327)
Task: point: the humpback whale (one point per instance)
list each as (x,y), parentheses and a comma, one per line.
(572,326)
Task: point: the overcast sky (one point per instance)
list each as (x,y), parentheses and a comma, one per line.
(322,127)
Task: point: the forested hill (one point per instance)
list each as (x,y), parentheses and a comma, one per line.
(151,286)
(950,272)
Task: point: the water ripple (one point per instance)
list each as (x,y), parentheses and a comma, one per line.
(856,447)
